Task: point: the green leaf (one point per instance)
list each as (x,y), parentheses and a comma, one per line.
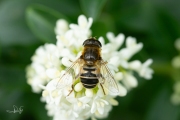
(92,8)
(42,20)
(162,108)
(102,26)
(0,49)
(13,28)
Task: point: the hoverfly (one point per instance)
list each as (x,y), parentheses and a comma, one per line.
(90,68)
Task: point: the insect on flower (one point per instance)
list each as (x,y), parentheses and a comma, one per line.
(91,69)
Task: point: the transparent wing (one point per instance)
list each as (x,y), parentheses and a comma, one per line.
(70,75)
(107,79)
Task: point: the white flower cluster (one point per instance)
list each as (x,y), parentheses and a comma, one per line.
(50,60)
(44,63)
(175,98)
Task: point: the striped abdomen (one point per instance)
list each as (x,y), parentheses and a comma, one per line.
(89,79)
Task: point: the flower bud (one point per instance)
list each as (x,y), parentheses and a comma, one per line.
(89,93)
(45,93)
(78,87)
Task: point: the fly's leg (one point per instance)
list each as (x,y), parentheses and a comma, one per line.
(71,90)
(103,89)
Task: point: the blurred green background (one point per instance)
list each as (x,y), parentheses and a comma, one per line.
(27,24)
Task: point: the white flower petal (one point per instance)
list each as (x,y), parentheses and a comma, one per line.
(45,93)
(114,102)
(100,110)
(66,62)
(101,39)
(85,99)
(61,27)
(145,71)
(122,90)
(120,39)
(114,61)
(130,81)
(135,65)
(52,73)
(148,62)
(110,36)
(118,76)
(125,53)
(90,21)
(82,21)
(93,108)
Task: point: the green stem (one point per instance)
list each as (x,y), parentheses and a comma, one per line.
(163,68)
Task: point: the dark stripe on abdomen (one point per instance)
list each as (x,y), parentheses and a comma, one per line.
(90,87)
(89,68)
(89,82)
(89,79)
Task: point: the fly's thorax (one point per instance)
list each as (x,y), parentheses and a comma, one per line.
(91,54)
